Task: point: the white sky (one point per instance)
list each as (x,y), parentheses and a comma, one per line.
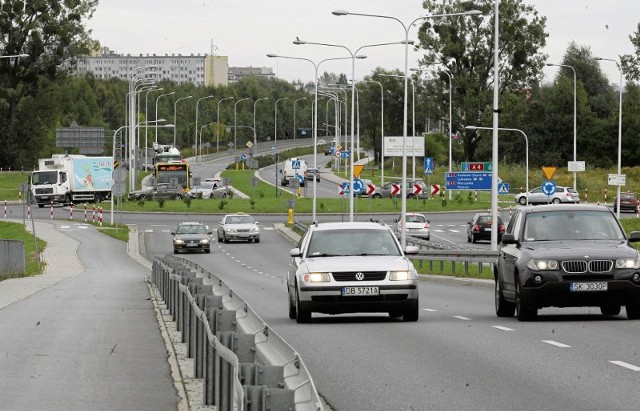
(246,30)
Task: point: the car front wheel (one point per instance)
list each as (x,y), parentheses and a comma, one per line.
(292,308)
(522,200)
(412,313)
(523,311)
(610,309)
(633,311)
(302,316)
(504,308)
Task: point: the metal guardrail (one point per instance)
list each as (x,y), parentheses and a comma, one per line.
(245,365)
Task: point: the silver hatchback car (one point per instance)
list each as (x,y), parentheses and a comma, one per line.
(351,267)
(561,195)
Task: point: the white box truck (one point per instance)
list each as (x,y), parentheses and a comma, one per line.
(64,179)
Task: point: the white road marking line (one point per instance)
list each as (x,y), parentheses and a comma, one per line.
(455,231)
(429,309)
(626,365)
(83,227)
(557,344)
(459,317)
(65,226)
(148,231)
(500,327)
(438,231)
(268,228)
(165,230)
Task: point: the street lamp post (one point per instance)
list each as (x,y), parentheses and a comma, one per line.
(235,122)
(218,123)
(146,160)
(255,134)
(175,111)
(619,132)
(526,149)
(196,128)
(381,127)
(403,236)
(575,82)
(146,138)
(294,116)
(275,121)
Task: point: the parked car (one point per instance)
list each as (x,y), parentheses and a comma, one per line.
(191,236)
(167,192)
(561,195)
(351,267)
(566,256)
(238,227)
(386,190)
(417,226)
(628,202)
(479,228)
(141,194)
(216,182)
(312,173)
(207,191)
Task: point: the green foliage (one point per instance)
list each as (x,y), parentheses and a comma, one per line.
(161,202)
(187,200)
(252,202)
(222,204)
(141,203)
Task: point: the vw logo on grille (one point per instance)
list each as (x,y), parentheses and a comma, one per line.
(359,276)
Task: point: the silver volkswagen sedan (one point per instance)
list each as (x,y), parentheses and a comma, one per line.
(351,267)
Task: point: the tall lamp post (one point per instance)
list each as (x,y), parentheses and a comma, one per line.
(196,128)
(403,237)
(235,122)
(275,121)
(619,132)
(381,127)
(156,117)
(295,131)
(218,123)
(175,111)
(315,115)
(255,134)
(526,151)
(575,82)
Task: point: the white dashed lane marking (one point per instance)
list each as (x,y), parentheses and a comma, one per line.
(502,328)
(429,309)
(626,365)
(459,317)
(557,344)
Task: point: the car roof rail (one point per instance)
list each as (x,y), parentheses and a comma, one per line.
(377,220)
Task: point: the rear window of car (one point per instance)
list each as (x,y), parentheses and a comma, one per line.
(627,196)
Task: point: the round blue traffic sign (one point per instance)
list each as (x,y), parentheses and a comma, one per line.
(358,186)
(548,187)
(300,178)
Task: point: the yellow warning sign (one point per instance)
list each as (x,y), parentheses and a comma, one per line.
(549,172)
(357,169)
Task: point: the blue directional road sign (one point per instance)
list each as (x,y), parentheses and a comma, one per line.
(428,165)
(503,188)
(345,187)
(358,186)
(300,179)
(548,187)
(243,157)
(468,181)
(345,154)
(295,164)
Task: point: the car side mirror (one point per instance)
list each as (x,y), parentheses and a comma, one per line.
(173,233)
(511,239)
(295,252)
(634,236)
(411,250)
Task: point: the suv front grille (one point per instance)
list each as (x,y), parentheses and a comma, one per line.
(594,266)
(368,275)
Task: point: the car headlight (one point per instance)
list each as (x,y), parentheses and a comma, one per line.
(204,241)
(255,230)
(402,275)
(316,277)
(178,241)
(542,265)
(230,230)
(628,263)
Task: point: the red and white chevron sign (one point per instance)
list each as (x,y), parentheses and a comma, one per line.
(435,189)
(370,189)
(417,189)
(395,189)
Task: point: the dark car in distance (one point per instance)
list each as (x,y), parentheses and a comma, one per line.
(191,236)
(566,256)
(479,228)
(628,202)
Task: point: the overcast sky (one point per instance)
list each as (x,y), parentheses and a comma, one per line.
(247,30)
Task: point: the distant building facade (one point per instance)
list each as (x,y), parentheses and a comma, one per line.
(206,70)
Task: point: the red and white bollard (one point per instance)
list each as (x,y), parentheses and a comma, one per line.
(605,195)
(29,211)
(71,211)
(5,208)
(100,216)
(85,212)
(93,215)
(509,211)
(51,211)
(637,211)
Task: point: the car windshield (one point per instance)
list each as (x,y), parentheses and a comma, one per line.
(239,220)
(416,219)
(330,243)
(191,229)
(572,225)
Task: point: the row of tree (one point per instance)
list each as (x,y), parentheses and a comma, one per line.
(38,94)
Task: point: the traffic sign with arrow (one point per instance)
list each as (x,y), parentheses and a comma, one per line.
(435,189)
(395,189)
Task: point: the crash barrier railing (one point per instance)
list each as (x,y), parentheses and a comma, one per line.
(245,364)
(436,254)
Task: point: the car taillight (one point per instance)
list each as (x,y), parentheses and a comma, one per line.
(426,225)
(476,227)
(502,228)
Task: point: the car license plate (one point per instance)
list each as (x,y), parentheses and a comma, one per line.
(578,287)
(192,245)
(355,291)
(487,229)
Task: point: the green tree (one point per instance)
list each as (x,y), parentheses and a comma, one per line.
(52,33)
(465,47)
(631,62)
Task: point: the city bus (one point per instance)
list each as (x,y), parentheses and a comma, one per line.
(174,173)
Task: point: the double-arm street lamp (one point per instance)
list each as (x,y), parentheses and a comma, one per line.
(275,121)
(255,134)
(235,122)
(218,125)
(196,128)
(575,82)
(146,159)
(175,111)
(526,153)
(294,116)
(406,27)
(619,132)
(381,127)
